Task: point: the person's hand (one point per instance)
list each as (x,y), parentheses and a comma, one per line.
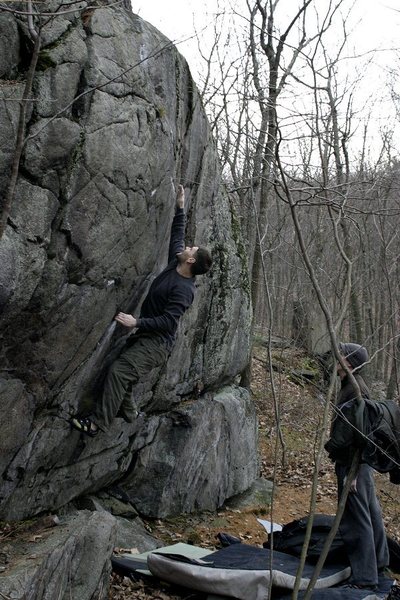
(180,198)
(125,320)
(353,486)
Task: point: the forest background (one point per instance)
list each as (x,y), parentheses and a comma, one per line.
(303,101)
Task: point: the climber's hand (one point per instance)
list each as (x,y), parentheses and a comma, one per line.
(180,198)
(126,320)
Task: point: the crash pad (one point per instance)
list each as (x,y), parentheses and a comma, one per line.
(128,564)
(240,571)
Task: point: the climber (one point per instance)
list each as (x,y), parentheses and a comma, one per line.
(169,296)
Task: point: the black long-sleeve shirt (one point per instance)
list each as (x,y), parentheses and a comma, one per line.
(170,294)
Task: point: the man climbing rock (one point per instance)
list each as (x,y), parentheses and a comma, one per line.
(361,526)
(169,296)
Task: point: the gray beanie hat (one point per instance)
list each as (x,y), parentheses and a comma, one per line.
(355,354)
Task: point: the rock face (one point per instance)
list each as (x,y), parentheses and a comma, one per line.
(71,560)
(88,231)
(196,447)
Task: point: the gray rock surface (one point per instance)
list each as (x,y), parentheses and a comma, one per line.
(88,231)
(202,453)
(134,536)
(10,94)
(72,560)
(9,51)
(258,496)
(131,533)
(16,423)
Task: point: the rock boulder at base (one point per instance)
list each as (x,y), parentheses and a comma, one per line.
(202,453)
(72,560)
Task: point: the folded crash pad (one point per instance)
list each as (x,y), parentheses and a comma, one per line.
(240,571)
(136,564)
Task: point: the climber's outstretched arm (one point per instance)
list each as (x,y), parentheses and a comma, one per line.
(176,243)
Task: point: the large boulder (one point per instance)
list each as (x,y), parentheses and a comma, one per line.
(88,231)
(72,560)
(201,454)
(68,560)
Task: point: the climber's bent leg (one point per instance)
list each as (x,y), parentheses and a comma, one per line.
(142,353)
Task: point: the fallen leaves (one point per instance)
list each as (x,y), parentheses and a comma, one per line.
(35,538)
(124,588)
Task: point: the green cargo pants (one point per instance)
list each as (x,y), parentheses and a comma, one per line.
(142,353)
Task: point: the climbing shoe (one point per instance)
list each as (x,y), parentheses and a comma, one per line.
(85,425)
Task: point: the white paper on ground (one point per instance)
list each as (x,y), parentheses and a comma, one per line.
(268,526)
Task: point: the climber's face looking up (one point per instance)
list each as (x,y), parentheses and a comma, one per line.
(188,254)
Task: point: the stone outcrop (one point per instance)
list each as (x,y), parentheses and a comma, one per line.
(200,455)
(62,561)
(88,231)
(71,560)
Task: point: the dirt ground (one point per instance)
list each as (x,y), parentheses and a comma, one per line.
(300,406)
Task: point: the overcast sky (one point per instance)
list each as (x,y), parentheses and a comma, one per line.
(378,21)
(373,25)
